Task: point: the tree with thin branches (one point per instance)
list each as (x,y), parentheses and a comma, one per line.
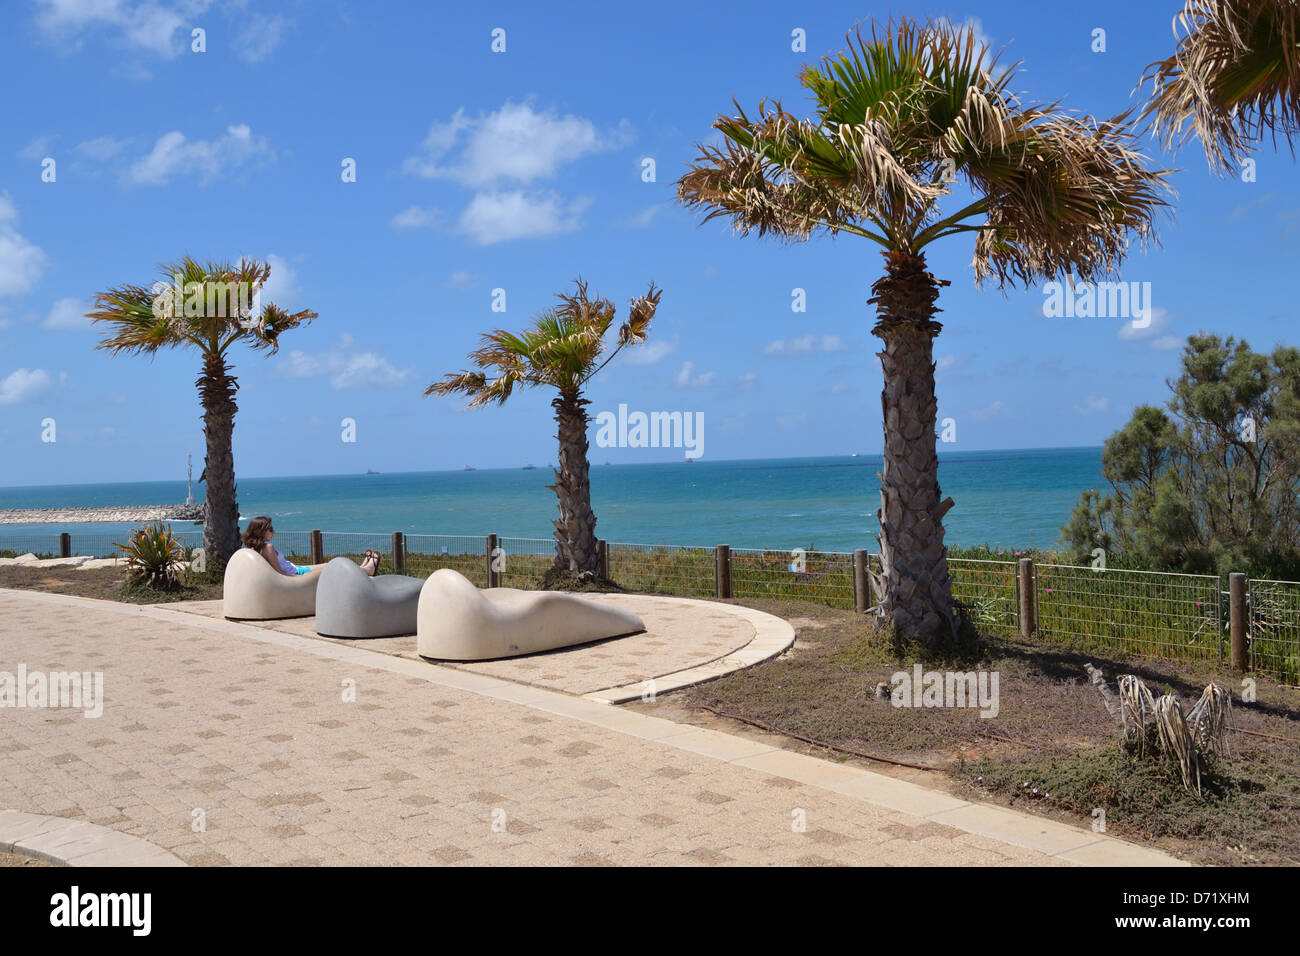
(563,349)
(902,117)
(1233,77)
(208,306)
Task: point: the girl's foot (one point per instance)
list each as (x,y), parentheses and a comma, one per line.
(370,564)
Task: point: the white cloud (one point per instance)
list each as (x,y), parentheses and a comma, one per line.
(950,363)
(805,345)
(21,262)
(414,217)
(985,413)
(102,147)
(839,388)
(515,144)
(148,24)
(281,285)
(650,353)
(1092,405)
(497,217)
(747,381)
(261,36)
(1153,326)
(686,377)
(643,219)
(36,150)
(347,369)
(173,155)
(460,279)
(1166,343)
(68,315)
(788,421)
(23,386)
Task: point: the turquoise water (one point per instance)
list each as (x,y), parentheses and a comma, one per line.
(1014,499)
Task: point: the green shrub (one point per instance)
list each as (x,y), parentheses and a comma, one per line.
(154,557)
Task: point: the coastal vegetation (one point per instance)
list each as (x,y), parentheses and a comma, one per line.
(1209,483)
(563,349)
(210,307)
(906,117)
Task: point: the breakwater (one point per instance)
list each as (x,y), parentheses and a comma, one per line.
(86,515)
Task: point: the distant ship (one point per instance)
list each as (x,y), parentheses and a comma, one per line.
(470,468)
(371,471)
(690,461)
(529,467)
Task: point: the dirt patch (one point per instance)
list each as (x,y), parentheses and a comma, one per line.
(17,859)
(108,584)
(1052,748)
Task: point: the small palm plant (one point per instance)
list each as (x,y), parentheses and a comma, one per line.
(1233,77)
(563,350)
(899,120)
(154,557)
(208,306)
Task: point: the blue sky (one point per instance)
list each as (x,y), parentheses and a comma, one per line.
(478,170)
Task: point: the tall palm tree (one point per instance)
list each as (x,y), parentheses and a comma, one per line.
(562,349)
(900,116)
(209,306)
(1234,76)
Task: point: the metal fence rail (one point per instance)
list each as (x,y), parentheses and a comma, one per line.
(521,562)
(1275,628)
(426,553)
(1148,612)
(990,590)
(799,574)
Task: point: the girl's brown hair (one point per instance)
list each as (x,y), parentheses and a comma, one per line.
(255,534)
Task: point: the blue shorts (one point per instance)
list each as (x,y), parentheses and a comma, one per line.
(301,569)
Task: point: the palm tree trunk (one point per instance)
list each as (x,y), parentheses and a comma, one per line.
(217,389)
(575,531)
(913,588)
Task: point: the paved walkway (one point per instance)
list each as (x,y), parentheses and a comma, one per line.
(289,749)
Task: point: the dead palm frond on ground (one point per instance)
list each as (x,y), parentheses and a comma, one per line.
(1233,78)
(907,117)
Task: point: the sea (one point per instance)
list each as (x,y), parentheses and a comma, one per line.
(1003,499)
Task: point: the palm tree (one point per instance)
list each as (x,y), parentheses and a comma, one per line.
(560,350)
(900,116)
(209,306)
(1234,76)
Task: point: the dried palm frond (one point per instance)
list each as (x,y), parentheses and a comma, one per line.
(1137,707)
(1233,77)
(1177,740)
(1211,719)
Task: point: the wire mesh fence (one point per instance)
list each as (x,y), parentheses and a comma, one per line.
(426,553)
(521,562)
(664,569)
(1147,612)
(1275,628)
(990,590)
(824,577)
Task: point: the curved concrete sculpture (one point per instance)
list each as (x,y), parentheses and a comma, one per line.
(255,591)
(350,603)
(458,622)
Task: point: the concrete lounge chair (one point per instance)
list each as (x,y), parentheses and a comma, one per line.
(350,603)
(458,622)
(255,591)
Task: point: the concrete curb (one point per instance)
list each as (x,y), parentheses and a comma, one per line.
(68,842)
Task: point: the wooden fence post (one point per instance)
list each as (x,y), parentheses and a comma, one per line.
(317,548)
(602,558)
(722,571)
(489,552)
(399,552)
(861,590)
(65,545)
(1238,622)
(1028,626)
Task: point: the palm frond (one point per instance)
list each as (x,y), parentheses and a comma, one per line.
(1233,77)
